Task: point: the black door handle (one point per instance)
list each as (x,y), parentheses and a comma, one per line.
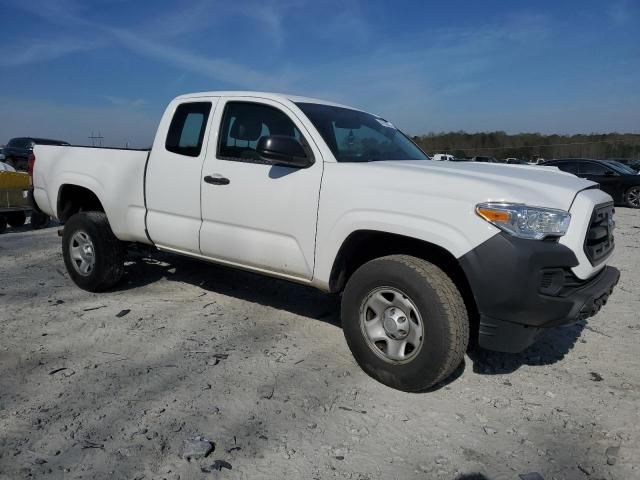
(217,180)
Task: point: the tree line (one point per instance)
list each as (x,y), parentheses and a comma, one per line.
(528,146)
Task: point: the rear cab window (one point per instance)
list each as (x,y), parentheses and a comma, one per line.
(187,129)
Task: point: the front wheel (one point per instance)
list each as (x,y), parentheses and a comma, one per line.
(94,257)
(632,197)
(405,322)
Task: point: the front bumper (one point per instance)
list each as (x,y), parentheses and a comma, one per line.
(523,286)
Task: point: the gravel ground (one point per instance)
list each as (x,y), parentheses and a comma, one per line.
(112,385)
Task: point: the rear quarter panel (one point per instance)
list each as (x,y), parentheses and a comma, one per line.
(115,176)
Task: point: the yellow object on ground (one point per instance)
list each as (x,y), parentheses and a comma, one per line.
(13,188)
(14,180)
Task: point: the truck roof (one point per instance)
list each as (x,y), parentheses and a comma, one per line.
(268,95)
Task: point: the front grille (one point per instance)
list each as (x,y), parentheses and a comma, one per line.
(599,242)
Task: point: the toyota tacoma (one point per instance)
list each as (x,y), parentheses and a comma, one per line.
(429,257)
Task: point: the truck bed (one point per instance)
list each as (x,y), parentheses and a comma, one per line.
(115,175)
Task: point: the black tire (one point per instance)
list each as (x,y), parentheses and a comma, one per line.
(16,219)
(66,212)
(445,323)
(3,224)
(39,220)
(632,197)
(108,251)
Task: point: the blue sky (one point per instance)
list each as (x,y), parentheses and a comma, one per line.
(68,67)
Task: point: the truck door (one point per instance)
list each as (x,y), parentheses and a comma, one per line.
(172,181)
(256,214)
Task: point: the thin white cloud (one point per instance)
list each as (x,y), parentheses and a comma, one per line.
(233,73)
(415,86)
(19,55)
(226,71)
(422,81)
(189,18)
(270,18)
(125,102)
(59,12)
(621,12)
(347,23)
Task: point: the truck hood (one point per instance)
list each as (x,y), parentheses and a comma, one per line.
(484,182)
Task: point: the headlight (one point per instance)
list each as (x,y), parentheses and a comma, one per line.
(523,221)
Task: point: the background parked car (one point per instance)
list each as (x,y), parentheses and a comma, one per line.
(619,181)
(443,157)
(484,159)
(620,160)
(5,167)
(516,161)
(620,166)
(18,150)
(14,203)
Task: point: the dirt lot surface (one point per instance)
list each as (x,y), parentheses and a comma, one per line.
(112,385)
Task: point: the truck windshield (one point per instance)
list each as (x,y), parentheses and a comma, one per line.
(355,136)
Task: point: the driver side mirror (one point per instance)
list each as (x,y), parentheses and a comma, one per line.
(609,173)
(283,150)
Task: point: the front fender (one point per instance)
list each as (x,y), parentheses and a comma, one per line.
(448,235)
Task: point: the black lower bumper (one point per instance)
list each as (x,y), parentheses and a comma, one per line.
(522,287)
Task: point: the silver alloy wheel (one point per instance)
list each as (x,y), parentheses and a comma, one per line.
(633,197)
(392,325)
(82,253)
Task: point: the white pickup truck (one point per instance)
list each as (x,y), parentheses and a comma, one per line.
(429,257)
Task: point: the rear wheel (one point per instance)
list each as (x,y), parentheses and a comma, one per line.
(632,197)
(405,322)
(16,219)
(94,257)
